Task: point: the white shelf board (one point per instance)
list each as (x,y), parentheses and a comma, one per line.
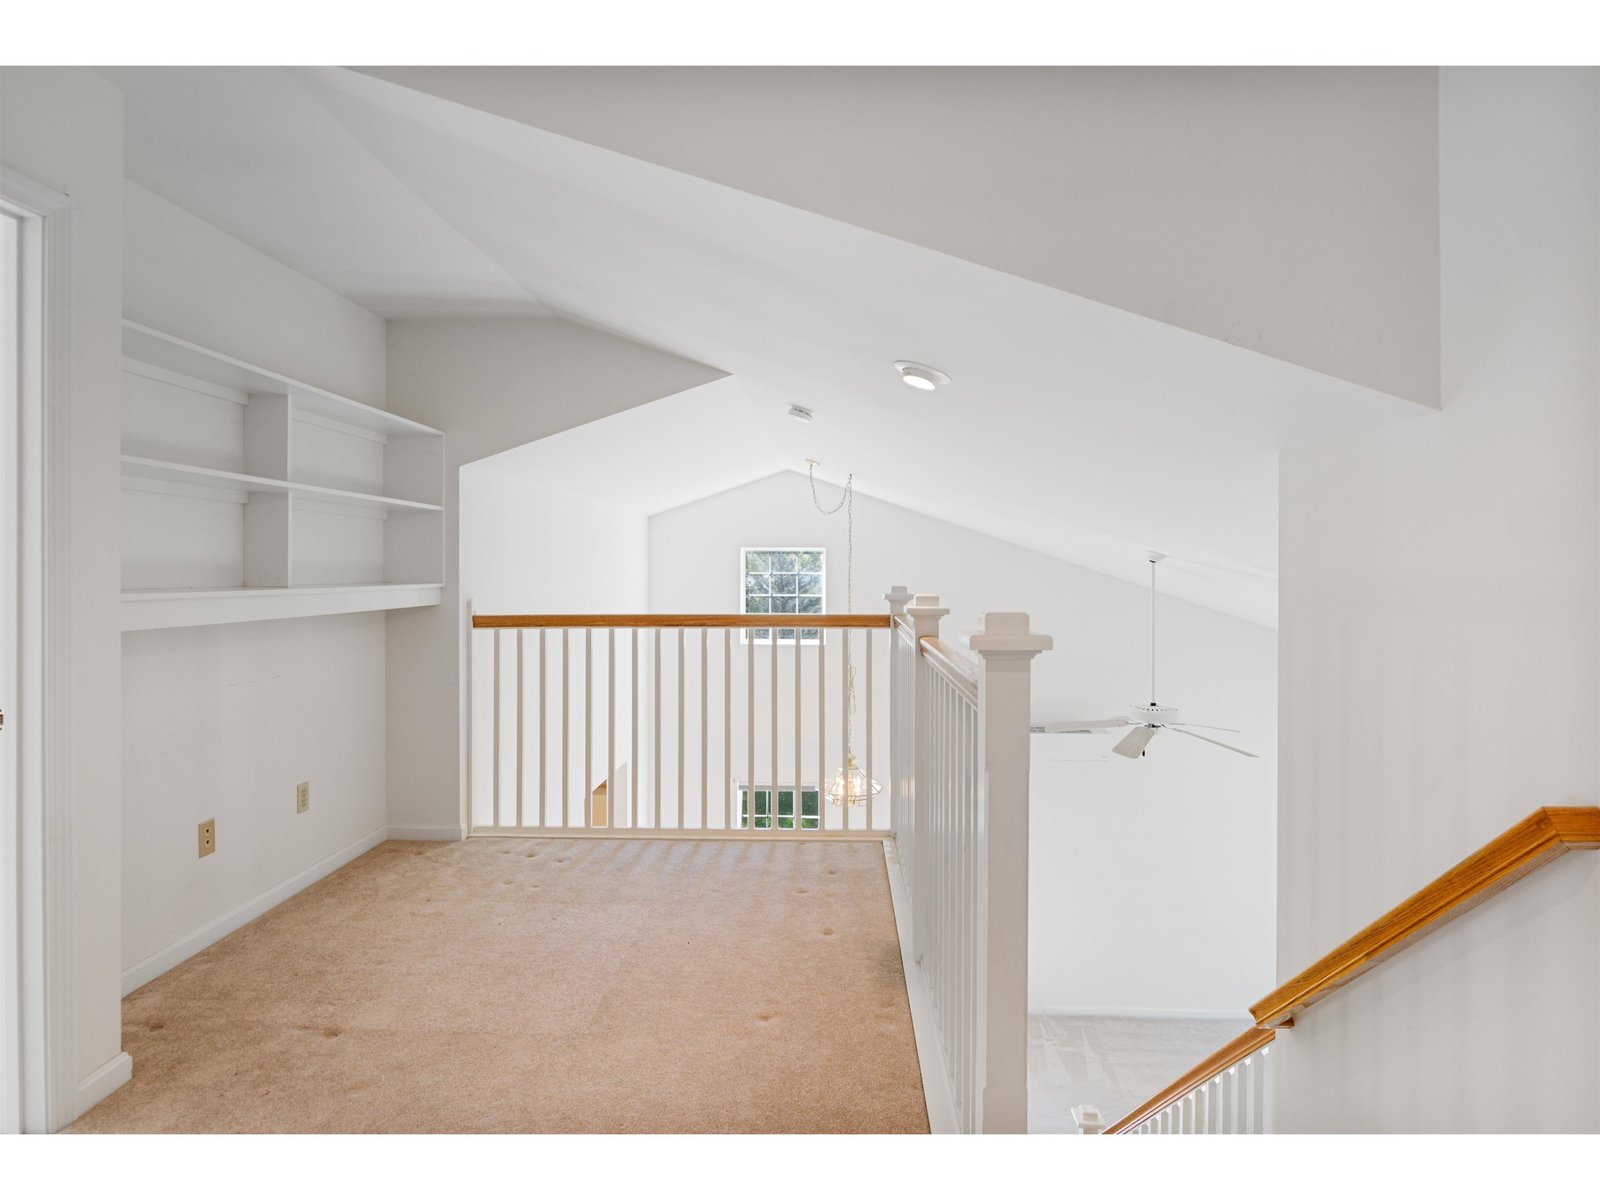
(172,609)
(174,354)
(171,472)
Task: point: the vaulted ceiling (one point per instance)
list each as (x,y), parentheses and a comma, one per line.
(1141,284)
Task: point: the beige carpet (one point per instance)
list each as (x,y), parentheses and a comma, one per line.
(542,986)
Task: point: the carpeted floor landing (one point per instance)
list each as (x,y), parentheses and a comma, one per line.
(545,986)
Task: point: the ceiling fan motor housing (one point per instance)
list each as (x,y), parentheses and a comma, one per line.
(1152,714)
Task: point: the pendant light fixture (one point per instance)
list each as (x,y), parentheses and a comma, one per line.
(849,786)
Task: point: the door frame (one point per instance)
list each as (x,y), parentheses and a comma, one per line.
(41,834)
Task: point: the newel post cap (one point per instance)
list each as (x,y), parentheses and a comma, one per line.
(898,597)
(925,613)
(1009,634)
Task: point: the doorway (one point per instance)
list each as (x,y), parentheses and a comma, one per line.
(10,677)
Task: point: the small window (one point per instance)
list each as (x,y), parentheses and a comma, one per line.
(783,581)
(810,808)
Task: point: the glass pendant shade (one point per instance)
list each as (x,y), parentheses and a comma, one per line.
(851,786)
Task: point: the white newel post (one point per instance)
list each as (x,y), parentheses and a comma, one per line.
(1006,648)
(924,614)
(899,729)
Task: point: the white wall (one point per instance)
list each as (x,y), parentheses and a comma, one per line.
(1152,881)
(63,128)
(529,549)
(491,384)
(222,721)
(525,548)
(1439,590)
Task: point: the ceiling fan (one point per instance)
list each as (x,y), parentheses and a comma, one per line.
(1144,721)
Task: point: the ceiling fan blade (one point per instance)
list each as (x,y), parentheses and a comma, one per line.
(1213,741)
(1077,726)
(1133,745)
(1192,725)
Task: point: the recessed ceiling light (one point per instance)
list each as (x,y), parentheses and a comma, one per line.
(920,376)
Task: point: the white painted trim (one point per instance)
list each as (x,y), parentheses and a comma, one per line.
(1153,1014)
(425,833)
(48,911)
(165,959)
(102,1081)
(935,1083)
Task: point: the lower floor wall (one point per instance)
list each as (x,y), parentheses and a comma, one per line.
(221,723)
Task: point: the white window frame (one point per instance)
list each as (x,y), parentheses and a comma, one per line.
(745,634)
(744,788)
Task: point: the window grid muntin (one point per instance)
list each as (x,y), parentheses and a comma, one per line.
(795,578)
(810,806)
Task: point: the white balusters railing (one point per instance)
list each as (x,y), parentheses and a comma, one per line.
(700,726)
(693,726)
(959,807)
(1229,1092)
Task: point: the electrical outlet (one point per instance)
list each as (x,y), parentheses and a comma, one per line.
(302,796)
(208,836)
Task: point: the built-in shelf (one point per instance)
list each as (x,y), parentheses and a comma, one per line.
(172,609)
(154,348)
(249,495)
(149,468)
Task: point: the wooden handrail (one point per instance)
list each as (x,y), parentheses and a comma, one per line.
(682,621)
(953,665)
(1236,1051)
(1542,836)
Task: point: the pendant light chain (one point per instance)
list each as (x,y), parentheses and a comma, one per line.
(848,503)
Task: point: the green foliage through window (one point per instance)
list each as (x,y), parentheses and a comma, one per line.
(810,809)
(784,581)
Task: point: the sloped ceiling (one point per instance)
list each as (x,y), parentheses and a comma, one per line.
(1072,426)
(1293,211)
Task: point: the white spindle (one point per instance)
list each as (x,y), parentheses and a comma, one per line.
(867,694)
(519,727)
(635,776)
(656,821)
(680,730)
(566,735)
(749,820)
(822,722)
(494,682)
(772,713)
(727,729)
(705,709)
(611,728)
(799,770)
(588,728)
(542,818)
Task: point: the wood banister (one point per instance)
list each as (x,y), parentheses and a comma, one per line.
(1541,837)
(1235,1052)
(681,621)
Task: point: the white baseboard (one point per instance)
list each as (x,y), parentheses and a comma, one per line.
(1153,1014)
(101,1082)
(165,959)
(935,1084)
(424,833)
